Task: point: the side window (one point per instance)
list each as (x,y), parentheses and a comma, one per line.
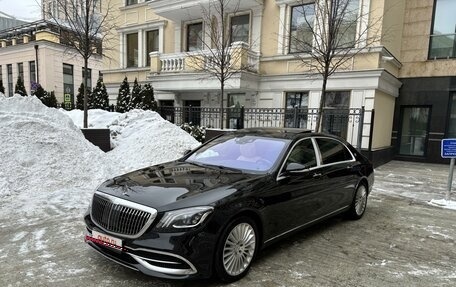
(303,154)
(333,151)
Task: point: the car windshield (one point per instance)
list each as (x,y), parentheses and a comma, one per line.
(248,153)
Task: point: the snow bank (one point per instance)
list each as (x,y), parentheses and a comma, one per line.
(144,138)
(139,138)
(48,167)
(42,150)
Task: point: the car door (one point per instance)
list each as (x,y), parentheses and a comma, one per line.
(337,174)
(294,199)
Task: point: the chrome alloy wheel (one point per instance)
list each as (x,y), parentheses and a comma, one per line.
(360,200)
(239,249)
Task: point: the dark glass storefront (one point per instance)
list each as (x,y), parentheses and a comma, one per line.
(425,113)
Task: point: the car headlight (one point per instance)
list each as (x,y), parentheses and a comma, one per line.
(184,218)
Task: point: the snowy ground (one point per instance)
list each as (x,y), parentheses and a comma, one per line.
(48,172)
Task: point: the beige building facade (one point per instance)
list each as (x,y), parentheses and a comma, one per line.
(153,43)
(33,51)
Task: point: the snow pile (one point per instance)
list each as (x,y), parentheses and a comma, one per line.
(139,138)
(43,151)
(99,119)
(144,138)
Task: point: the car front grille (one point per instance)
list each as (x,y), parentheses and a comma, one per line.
(121,217)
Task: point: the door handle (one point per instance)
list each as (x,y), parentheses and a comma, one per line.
(317,175)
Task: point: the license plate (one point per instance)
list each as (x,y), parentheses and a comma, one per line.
(107,239)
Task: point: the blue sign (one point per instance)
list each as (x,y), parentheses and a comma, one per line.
(448,148)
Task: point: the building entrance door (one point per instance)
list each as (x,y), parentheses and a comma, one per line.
(414,130)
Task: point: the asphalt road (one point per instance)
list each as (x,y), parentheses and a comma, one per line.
(399,242)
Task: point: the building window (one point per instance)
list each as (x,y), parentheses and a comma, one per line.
(240,27)
(302,22)
(296,118)
(297,100)
(131,2)
(346,38)
(9,71)
(152,42)
(89,78)
(68,86)
(443,38)
(194,37)
(20,71)
(32,71)
(132,50)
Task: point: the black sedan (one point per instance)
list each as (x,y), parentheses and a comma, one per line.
(211,211)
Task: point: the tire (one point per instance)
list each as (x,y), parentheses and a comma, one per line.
(236,249)
(359,204)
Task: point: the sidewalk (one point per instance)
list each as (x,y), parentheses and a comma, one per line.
(418,181)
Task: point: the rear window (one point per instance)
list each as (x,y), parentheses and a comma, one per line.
(333,151)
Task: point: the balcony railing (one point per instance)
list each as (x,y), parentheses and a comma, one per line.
(442,46)
(239,57)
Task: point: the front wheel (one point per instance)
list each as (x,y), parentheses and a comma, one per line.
(236,249)
(359,203)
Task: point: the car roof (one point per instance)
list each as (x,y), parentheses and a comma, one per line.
(288,133)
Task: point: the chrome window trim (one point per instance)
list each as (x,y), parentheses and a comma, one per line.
(317,155)
(333,163)
(130,204)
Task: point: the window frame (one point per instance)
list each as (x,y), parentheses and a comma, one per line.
(9,74)
(146,44)
(32,73)
(65,84)
(127,54)
(432,35)
(141,30)
(249,25)
(187,35)
(291,23)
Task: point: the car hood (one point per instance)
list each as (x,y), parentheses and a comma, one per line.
(177,185)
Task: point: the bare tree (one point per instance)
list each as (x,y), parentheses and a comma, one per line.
(217,52)
(326,34)
(84,26)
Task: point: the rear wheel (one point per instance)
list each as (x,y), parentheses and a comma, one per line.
(359,204)
(236,249)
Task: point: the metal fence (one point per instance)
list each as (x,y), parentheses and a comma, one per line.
(346,123)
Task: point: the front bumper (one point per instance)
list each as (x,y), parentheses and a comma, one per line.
(186,255)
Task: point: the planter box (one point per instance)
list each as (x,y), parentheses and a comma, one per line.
(99,137)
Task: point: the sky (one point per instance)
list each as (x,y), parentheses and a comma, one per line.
(22,9)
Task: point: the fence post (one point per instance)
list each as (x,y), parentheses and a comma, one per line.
(371,131)
(241,118)
(360,129)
